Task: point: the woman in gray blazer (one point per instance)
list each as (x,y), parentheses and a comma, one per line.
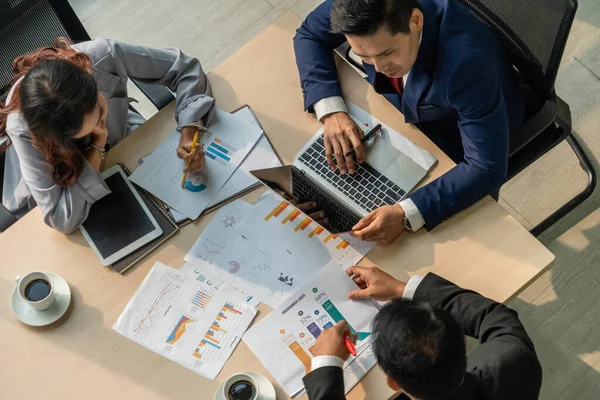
(68,103)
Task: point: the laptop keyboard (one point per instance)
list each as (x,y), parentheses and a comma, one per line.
(367,187)
(340,217)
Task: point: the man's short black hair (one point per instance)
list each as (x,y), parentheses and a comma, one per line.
(365,17)
(422,348)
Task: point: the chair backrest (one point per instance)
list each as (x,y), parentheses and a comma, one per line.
(26,25)
(534,32)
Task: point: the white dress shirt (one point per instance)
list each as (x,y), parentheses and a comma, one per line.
(333,361)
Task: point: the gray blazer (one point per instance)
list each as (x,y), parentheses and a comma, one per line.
(28,181)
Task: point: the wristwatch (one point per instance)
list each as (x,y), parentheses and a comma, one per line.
(406,223)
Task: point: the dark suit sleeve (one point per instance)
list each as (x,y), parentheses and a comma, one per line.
(325,383)
(474,91)
(314,44)
(505,360)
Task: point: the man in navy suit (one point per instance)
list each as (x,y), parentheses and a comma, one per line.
(443,69)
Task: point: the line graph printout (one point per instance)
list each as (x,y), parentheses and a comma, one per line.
(186,319)
(291,238)
(223,252)
(283,341)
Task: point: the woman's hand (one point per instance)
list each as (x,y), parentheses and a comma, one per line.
(194,159)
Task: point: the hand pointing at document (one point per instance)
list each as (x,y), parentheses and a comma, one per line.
(374,284)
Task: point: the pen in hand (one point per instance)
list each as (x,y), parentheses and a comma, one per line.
(349,345)
(194,142)
(368,136)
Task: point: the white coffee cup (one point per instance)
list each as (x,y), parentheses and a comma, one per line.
(22,283)
(234,380)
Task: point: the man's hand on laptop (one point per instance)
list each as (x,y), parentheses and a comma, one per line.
(341,135)
(311,209)
(382,225)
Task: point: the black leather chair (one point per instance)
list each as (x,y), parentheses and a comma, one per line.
(535,33)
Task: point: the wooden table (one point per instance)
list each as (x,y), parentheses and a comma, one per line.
(80,357)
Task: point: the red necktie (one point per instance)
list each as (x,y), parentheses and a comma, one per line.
(398,84)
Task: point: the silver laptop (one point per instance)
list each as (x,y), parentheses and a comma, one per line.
(386,177)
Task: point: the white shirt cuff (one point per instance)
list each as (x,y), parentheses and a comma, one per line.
(329,105)
(413,214)
(411,287)
(326,361)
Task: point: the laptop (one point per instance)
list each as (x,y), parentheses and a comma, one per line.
(385,178)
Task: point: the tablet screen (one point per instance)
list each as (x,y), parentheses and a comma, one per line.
(118,219)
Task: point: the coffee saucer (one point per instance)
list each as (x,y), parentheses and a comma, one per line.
(266,391)
(30,316)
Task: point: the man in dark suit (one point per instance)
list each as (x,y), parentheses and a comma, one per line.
(419,344)
(443,69)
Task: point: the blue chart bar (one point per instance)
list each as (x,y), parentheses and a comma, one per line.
(220,148)
(211,343)
(213,157)
(212,149)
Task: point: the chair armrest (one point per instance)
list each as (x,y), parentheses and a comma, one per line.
(159,95)
(536,124)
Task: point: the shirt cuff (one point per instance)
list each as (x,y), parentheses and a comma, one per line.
(413,214)
(326,361)
(329,105)
(411,287)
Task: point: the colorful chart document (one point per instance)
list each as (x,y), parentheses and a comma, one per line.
(186,320)
(283,340)
(289,237)
(223,252)
(226,144)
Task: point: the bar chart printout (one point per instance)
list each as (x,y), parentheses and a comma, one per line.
(186,320)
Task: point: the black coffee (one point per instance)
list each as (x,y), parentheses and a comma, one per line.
(241,390)
(37,289)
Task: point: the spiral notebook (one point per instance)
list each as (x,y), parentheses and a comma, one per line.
(165,221)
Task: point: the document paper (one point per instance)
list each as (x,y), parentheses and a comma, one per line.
(186,320)
(223,252)
(226,144)
(289,237)
(283,340)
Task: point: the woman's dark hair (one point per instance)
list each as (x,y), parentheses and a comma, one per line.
(55,94)
(365,17)
(422,348)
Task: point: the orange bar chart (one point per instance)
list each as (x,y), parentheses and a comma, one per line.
(302,225)
(277,210)
(317,231)
(291,216)
(330,236)
(301,354)
(342,245)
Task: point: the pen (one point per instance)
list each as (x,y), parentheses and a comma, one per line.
(194,142)
(350,346)
(368,136)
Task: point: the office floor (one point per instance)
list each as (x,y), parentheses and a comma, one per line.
(562,308)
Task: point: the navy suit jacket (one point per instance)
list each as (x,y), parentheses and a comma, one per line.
(462,92)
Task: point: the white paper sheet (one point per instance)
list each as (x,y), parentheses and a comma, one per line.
(186,320)
(215,282)
(419,155)
(226,145)
(282,341)
(223,252)
(289,237)
(260,157)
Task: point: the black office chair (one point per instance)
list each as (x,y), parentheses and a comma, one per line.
(535,33)
(26,25)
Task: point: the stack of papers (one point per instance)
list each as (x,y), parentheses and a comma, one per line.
(233,145)
(283,340)
(194,321)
